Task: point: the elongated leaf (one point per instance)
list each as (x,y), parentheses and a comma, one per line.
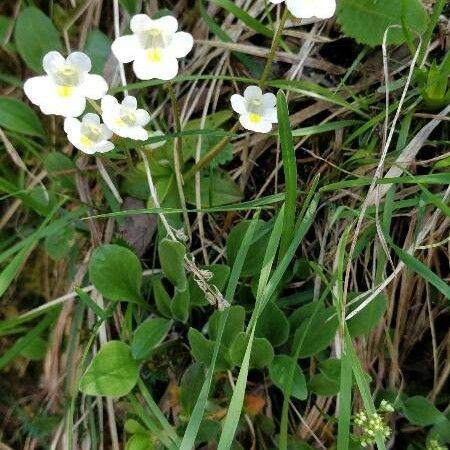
(17,116)
(35,35)
(117,273)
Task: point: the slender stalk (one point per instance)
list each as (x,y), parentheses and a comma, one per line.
(275,44)
(177,154)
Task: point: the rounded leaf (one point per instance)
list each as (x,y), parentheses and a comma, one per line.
(35,35)
(117,273)
(113,372)
(279,371)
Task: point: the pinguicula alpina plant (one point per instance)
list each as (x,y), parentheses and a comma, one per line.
(259,307)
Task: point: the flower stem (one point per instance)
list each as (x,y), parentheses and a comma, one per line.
(275,44)
(177,154)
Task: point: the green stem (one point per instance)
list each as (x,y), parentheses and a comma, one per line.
(177,151)
(275,44)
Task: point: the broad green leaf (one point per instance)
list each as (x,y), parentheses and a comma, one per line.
(179,305)
(368,318)
(273,325)
(320,334)
(35,35)
(148,335)
(117,273)
(98,48)
(162,298)
(140,441)
(202,350)
(171,256)
(262,352)
(217,188)
(420,411)
(17,116)
(322,385)
(233,325)
(279,370)
(113,372)
(56,162)
(367,20)
(191,385)
(58,244)
(255,255)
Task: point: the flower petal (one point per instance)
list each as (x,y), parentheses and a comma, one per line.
(106,132)
(252,92)
(276,1)
(36,88)
(306,9)
(103,147)
(140,22)
(51,61)
(71,105)
(94,86)
(181,44)
(263,126)
(137,133)
(91,118)
(109,105)
(269,100)
(142,117)
(126,48)
(129,102)
(72,126)
(271,115)
(80,60)
(166,69)
(238,103)
(168,24)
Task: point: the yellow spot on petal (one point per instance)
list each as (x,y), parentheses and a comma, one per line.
(84,140)
(154,55)
(119,122)
(255,118)
(65,91)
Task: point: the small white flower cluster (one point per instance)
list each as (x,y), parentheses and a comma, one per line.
(433,444)
(154,46)
(371,425)
(386,407)
(306,9)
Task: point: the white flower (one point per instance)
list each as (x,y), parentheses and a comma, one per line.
(88,135)
(257,110)
(154,47)
(124,118)
(306,9)
(64,89)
